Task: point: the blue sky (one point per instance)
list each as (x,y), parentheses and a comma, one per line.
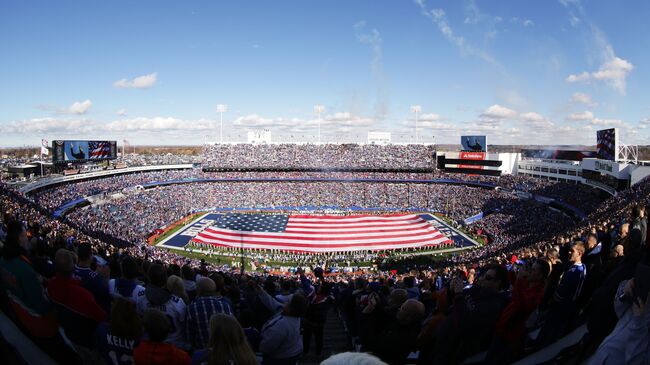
(152,72)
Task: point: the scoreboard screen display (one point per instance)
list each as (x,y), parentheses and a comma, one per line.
(82,151)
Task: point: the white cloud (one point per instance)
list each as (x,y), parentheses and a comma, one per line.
(140,82)
(535,120)
(608,122)
(255,120)
(80,107)
(48,125)
(122,112)
(584,76)
(644,123)
(340,119)
(154,124)
(497,111)
(582,98)
(68,126)
(345,118)
(613,72)
(581,116)
(429,117)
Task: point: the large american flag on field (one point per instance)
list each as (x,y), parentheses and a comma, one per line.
(321,233)
(99,149)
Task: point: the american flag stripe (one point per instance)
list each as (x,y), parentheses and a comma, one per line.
(346,220)
(99,149)
(306,233)
(316,237)
(354,224)
(320,247)
(359,230)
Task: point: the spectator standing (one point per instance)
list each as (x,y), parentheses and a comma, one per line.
(508,343)
(314,323)
(116,339)
(475,311)
(640,221)
(156,296)
(189,281)
(126,286)
(176,286)
(563,307)
(629,342)
(207,303)
(154,350)
(395,343)
(77,311)
(281,340)
(94,281)
(23,285)
(228,344)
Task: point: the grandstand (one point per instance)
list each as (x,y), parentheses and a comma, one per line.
(467,224)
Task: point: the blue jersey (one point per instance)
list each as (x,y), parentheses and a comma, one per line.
(115,350)
(94,283)
(571,284)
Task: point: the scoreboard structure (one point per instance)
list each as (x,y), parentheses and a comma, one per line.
(65,151)
(469,164)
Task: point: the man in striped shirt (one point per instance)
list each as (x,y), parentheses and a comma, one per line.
(207,303)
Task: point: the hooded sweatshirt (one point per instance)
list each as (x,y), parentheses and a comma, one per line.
(154,297)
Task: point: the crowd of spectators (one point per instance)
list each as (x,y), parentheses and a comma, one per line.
(540,271)
(161,206)
(323,156)
(151,159)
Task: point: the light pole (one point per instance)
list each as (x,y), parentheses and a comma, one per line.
(416,109)
(318,109)
(221,108)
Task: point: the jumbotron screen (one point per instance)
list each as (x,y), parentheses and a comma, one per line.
(473,143)
(82,151)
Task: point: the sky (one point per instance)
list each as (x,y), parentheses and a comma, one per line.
(153,72)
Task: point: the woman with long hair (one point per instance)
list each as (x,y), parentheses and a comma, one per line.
(116,339)
(228,344)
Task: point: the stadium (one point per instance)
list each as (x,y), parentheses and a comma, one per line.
(298,183)
(347,214)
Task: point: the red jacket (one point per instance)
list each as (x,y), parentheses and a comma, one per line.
(525,299)
(156,353)
(68,292)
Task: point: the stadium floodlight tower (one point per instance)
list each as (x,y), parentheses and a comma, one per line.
(416,109)
(221,108)
(319,109)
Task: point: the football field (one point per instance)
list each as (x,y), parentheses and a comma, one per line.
(273,231)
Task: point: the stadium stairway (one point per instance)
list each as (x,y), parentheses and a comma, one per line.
(336,340)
